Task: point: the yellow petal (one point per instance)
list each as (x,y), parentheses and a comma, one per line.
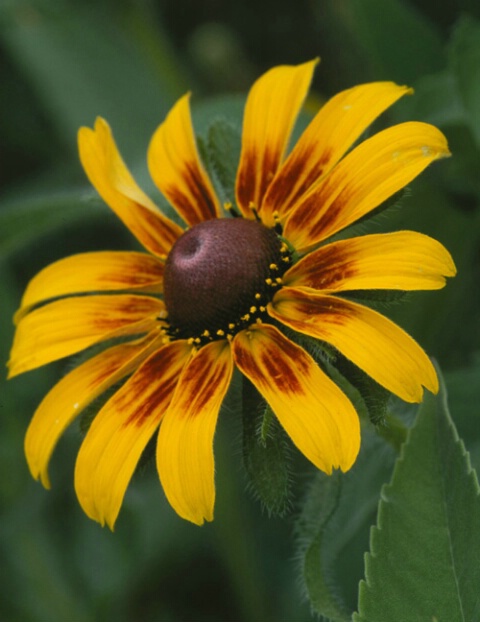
(121,430)
(272,107)
(374,343)
(91,272)
(315,413)
(365,178)
(107,172)
(332,132)
(176,168)
(403,260)
(73,393)
(185,459)
(67,326)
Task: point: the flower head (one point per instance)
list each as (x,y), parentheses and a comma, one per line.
(219,293)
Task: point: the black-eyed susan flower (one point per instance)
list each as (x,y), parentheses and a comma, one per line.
(219,292)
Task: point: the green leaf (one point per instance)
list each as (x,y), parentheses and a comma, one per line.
(322,503)
(265,453)
(223,149)
(464,397)
(400,43)
(464,57)
(82,63)
(436,100)
(425,550)
(26,219)
(334,525)
(375,397)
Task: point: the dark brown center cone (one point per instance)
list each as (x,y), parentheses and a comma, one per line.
(216,271)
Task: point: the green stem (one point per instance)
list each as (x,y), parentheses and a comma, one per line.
(235,533)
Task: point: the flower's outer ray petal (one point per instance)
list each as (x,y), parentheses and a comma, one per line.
(69,325)
(73,393)
(176,169)
(404,260)
(373,172)
(108,173)
(335,128)
(315,413)
(374,343)
(94,272)
(185,458)
(121,430)
(272,107)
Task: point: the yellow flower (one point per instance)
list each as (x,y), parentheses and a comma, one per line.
(217,294)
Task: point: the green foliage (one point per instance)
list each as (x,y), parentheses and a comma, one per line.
(464,395)
(400,43)
(66,61)
(223,144)
(464,54)
(333,529)
(374,396)
(23,221)
(82,63)
(424,551)
(266,453)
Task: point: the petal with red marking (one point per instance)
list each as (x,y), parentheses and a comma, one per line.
(272,107)
(69,325)
(335,128)
(121,430)
(94,272)
(404,260)
(108,173)
(73,393)
(374,343)
(317,416)
(369,175)
(185,458)
(177,170)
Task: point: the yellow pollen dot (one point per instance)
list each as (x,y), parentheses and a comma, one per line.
(227,206)
(190,341)
(245,317)
(279,279)
(275,215)
(231,326)
(286,259)
(269,281)
(206,333)
(259,320)
(197,340)
(273,266)
(263,309)
(253,309)
(252,206)
(220,332)
(258,296)
(229,337)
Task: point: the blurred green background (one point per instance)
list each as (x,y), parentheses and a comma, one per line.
(62,63)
